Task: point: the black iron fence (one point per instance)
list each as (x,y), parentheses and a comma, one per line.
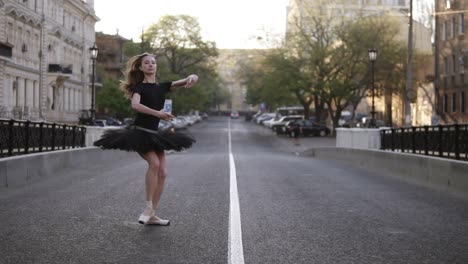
(23,137)
(447,141)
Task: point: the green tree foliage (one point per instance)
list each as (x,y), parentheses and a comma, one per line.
(275,80)
(176,41)
(324,61)
(112,100)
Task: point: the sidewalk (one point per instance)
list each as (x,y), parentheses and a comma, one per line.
(305,143)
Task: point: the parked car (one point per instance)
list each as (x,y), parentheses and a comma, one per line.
(107,121)
(100,122)
(204,115)
(179,123)
(277,125)
(165,125)
(113,121)
(234,114)
(366,123)
(306,128)
(264,117)
(128,121)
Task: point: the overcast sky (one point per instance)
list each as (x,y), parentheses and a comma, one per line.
(230,23)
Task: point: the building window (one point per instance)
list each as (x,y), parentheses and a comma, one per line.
(461,25)
(26,90)
(453,102)
(15,91)
(452,28)
(444,30)
(454,64)
(444,103)
(462,79)
(35,94)
(462,102)
(445,65)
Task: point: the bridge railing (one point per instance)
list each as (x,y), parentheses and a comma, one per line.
(445,141)
(24,137)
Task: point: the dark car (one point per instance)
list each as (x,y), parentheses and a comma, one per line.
(278,126)
(306,128)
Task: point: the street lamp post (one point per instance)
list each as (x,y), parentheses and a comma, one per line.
(373,58)
(94,52)
(409,78)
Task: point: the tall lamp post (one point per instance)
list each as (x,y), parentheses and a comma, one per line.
(373,58)
(94,52)
(409,96)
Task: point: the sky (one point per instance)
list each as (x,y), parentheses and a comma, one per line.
(232,24)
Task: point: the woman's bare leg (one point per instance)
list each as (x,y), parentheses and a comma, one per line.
(154,220)
(161,178)
(151,182)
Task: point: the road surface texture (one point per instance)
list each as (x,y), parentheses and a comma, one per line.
(292,209)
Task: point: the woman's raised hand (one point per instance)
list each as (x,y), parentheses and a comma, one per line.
(191,80)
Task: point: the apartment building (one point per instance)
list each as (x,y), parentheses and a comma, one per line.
(340,11)
(45,64)
(451,54)
(229,62)
(111,54)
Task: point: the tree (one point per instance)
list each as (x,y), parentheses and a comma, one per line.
(176,41)
(112,100)
(336,52)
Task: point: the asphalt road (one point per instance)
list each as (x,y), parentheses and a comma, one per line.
(293,209)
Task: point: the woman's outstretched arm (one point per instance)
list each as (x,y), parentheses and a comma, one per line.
(188,82)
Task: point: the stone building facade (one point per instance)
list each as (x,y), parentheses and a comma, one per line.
(229,62)
(451,55)
(111,54)
(45,64)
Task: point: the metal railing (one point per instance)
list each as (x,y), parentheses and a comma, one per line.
(24,137)
(445,141)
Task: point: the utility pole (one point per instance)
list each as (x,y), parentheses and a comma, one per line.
(142,48)
(409,81)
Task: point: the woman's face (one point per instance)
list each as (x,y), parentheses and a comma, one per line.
(148,65)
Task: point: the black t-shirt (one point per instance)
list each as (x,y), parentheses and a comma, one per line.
(152,96)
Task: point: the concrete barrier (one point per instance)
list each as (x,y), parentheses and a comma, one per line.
(363,138)
(450,175)
(94,133)
(20,170)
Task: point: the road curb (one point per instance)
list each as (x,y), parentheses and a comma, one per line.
(443,174)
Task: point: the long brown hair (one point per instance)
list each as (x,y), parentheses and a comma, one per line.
(133,74)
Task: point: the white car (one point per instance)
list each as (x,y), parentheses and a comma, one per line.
(280,122)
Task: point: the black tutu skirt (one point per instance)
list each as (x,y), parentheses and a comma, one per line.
(142,140)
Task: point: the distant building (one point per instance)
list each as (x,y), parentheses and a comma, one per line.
(111,54)
(229,62)
(451,56)
(45,64)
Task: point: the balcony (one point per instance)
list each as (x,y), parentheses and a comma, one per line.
(57,68)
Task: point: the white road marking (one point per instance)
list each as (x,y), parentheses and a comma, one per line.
(235,250)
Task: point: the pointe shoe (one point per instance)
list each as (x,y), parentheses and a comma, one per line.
(154,220)
(145,216)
